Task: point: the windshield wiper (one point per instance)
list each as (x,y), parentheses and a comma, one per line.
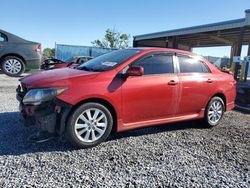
(89,69)
(84,68)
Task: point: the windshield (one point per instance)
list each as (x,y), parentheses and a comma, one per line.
(108,61)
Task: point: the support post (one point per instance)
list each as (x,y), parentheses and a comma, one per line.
(166,42)
(237,52)
(239,43)
(231,57)
(247,64)
(170,42)
(175,42)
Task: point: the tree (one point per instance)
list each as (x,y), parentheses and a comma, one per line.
(113,39)
(49,52)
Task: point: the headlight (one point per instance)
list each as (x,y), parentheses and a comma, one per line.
(37,96)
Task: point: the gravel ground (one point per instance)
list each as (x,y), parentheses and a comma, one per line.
(176,155)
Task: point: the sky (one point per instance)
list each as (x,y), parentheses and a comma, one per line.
(78,22)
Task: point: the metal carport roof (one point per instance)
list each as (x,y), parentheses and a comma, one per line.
(215,34)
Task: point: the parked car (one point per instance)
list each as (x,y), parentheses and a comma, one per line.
(17,54)
(123,90)
(53,63)
(242,96)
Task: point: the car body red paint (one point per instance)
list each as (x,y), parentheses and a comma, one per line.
(141,101)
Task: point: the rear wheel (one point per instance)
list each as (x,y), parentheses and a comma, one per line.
(214,111)
(12,66)
(89,125)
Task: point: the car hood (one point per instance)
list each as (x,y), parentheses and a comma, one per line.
(57,77)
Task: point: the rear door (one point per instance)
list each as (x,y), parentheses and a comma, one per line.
(153,95)
(196,85)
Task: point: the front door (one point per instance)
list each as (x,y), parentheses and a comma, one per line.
(151,96)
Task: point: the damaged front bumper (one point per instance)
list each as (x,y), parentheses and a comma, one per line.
(48,116)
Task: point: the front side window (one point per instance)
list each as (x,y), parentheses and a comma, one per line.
(156,64)
(109,60)
(191,65)
(3,38)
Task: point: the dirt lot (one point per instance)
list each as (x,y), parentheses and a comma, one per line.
(176,155)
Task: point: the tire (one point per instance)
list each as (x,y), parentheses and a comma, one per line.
(214,112)
(12,66)
(86,120)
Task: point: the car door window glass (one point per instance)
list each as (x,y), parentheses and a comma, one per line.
(3,38)
(205,68)
(191,65)
(156,64)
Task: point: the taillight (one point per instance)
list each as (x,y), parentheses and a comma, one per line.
(38,48)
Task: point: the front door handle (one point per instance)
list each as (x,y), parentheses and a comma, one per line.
(209,80)
(172,82)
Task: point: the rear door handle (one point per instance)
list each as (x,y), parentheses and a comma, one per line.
(209,80)
(172,82)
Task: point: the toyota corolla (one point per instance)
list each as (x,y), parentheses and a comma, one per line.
(125,89)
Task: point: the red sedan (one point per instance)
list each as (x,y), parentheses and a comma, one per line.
(126,89)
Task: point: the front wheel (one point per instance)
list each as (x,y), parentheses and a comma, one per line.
(214,111)
(89,125)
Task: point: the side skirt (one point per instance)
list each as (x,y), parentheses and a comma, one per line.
(134,125)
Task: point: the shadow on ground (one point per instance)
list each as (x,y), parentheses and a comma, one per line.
(21,76)
(14,136)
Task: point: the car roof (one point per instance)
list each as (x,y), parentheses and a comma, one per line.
(14,38)
(165,50)
(158,49)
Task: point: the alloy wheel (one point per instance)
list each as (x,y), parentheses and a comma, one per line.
(91,125)
(215,112)
(12,66)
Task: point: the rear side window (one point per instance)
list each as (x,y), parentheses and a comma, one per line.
(3,38)
(156,64)
(205,68)
(191,65)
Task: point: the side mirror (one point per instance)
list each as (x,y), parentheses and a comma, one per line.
(135,71)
